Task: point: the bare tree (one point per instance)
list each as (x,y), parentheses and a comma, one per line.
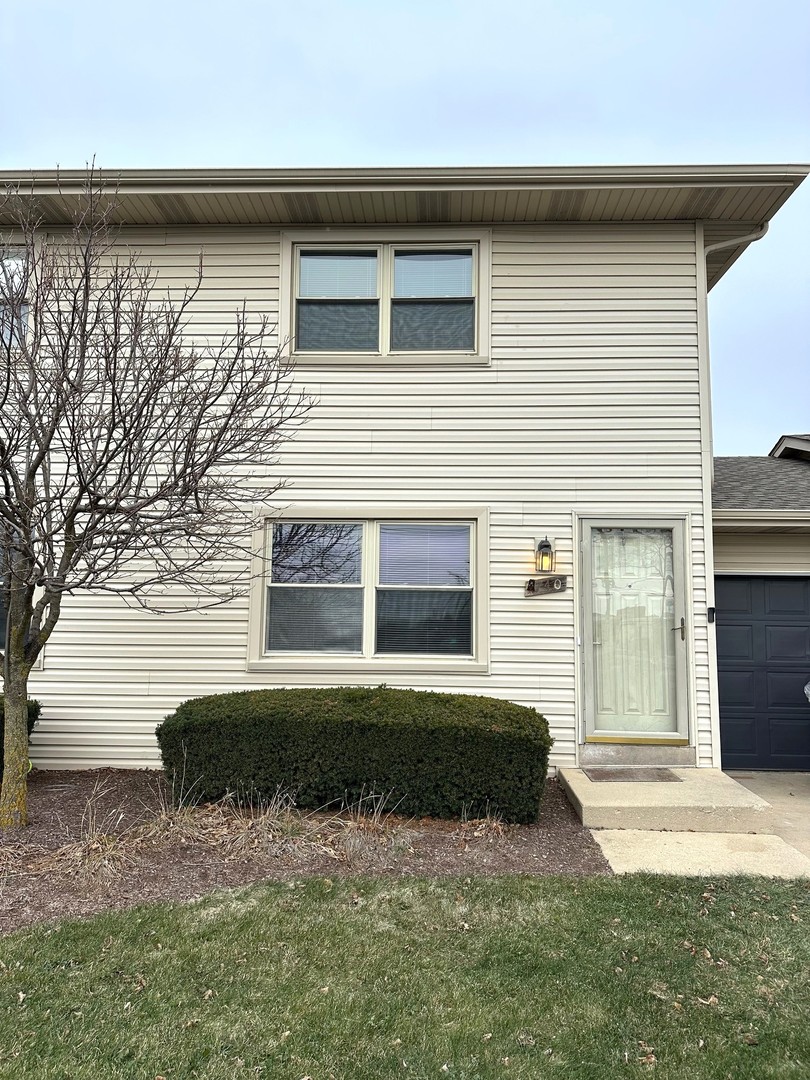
(131,452)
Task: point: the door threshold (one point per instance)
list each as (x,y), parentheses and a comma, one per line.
(637,740)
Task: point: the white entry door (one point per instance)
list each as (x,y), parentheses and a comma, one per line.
(635,632)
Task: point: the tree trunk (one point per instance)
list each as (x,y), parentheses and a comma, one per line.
(14,795)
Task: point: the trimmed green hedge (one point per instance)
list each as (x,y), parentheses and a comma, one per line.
(34,709)
(440,755)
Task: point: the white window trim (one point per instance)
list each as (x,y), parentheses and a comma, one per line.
(39,663)
(478,239)
(12,250)
(478,663)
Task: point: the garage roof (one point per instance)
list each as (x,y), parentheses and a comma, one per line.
(761,483)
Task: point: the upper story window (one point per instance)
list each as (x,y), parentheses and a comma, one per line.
(414,301)
(13,306)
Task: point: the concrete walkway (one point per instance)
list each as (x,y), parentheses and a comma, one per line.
(700,854)
(710,823)
(789,796)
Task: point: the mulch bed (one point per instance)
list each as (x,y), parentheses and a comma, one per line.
(89,848)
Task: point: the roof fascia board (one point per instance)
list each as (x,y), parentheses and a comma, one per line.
(729,517)
(137,181)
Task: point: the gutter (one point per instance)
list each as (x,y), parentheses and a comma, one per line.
(729,518)
(737,240)
(135,181)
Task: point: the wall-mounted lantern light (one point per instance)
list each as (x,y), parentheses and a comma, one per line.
(544,556)
(549,581)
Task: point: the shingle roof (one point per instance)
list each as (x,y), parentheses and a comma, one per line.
(761,483)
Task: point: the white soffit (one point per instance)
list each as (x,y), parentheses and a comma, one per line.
(730,200)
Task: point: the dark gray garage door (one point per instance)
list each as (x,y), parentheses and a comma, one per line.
(763,654)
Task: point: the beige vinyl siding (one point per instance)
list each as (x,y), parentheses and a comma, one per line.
(590,407)
(762,552)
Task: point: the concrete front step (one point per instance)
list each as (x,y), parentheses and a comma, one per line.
(707,800)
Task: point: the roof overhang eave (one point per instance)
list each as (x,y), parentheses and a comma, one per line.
(791,446)
(727,520)
(730,200)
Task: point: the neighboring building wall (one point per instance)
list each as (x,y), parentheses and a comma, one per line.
(762,553)
(591,405)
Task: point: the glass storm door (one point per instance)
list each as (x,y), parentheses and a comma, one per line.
(634,633)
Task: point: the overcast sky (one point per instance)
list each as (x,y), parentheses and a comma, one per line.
(451,82)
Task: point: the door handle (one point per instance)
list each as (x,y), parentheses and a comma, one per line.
(682,628)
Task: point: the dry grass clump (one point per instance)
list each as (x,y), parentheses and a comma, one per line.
(10,856)
(186,824)
(367,835)
(271,827)
(243,827)
(180,818)
(101,852)
(490,828)
(98,858)
(364,835)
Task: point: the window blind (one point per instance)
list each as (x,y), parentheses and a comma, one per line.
(424,554)
(314,620)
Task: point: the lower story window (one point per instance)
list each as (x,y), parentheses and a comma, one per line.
(371,588)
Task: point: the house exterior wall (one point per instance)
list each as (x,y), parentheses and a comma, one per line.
(591,406)
(741,552)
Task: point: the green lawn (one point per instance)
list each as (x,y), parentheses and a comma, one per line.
(498,977)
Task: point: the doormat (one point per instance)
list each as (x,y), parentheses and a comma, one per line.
(633,776)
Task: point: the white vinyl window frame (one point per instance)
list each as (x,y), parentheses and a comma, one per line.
(368,662)
(385,242)
(39,663)
(15,251)
(10,254)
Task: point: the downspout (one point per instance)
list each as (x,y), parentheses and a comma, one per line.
(708,467)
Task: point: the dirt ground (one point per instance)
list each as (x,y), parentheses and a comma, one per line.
(107,839)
